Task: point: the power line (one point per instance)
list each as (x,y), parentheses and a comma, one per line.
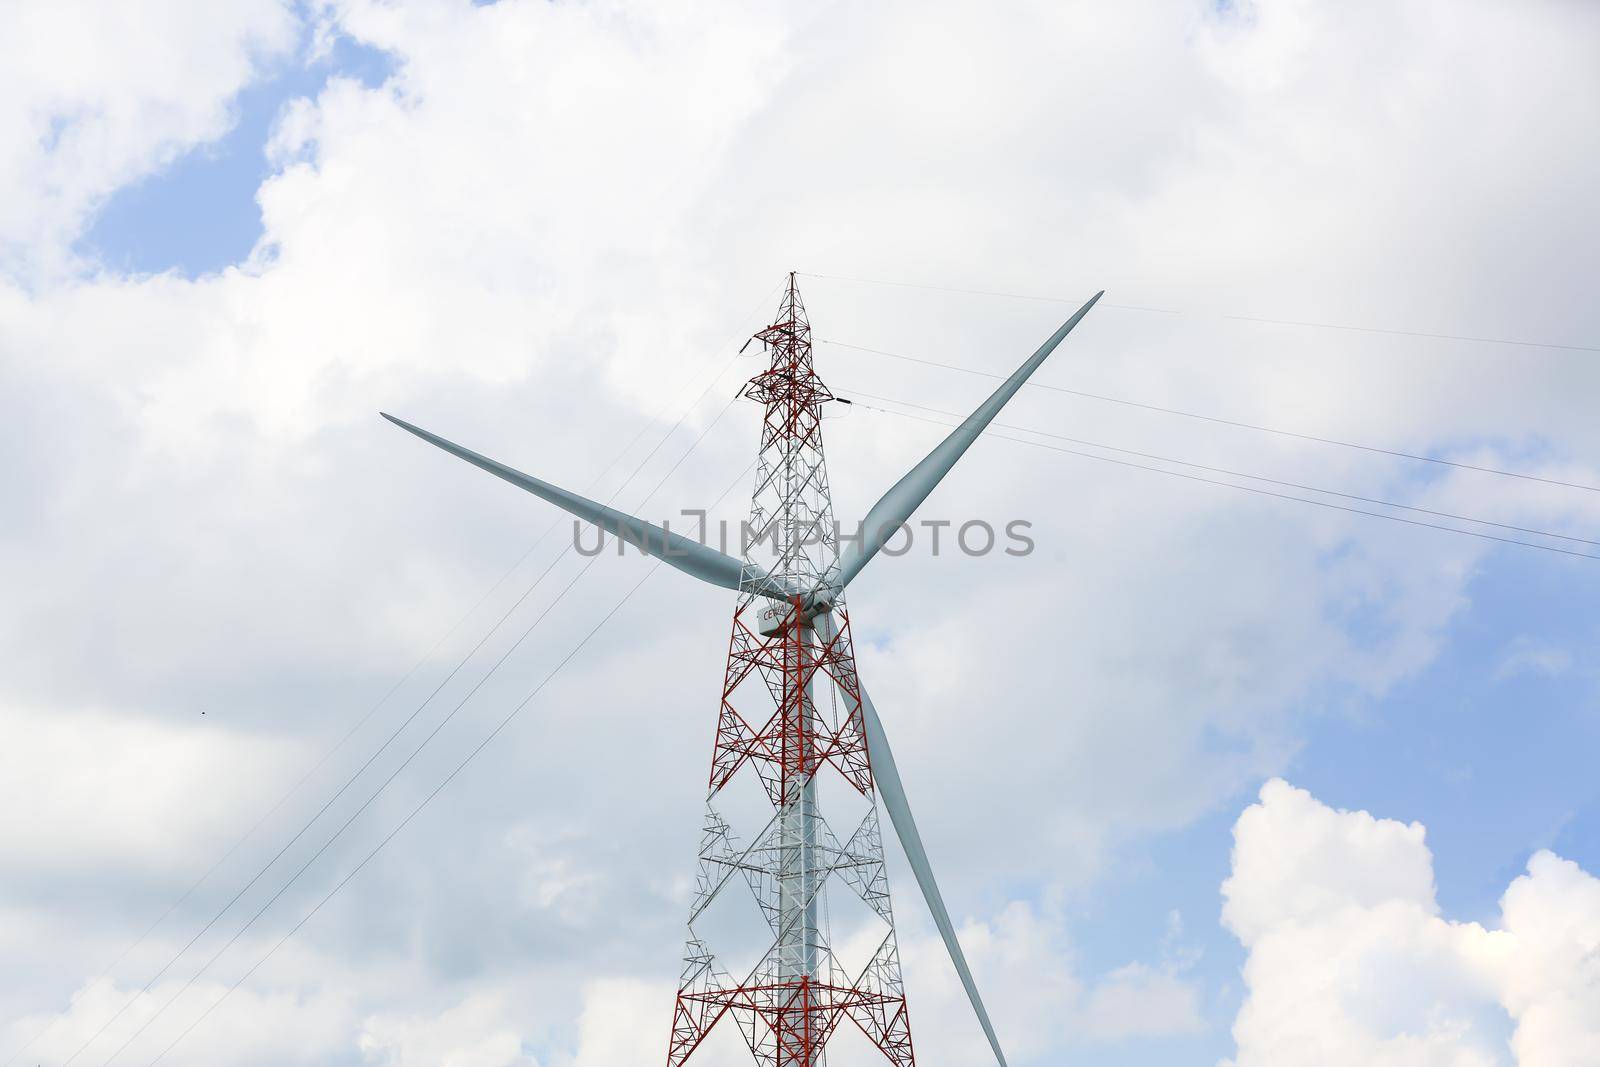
(440,725)
(446,781)
(1254,489)
(1225,422)
(395,734)
(351,780)
(415,752)
(645,426)
(407,820)
(1252,477)
(1219,315)
(384,786)
(270,812)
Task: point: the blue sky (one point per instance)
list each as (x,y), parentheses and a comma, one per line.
(1491,760)
(535,228)
(198,214)
(1495,766)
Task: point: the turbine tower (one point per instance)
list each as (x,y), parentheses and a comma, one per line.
(793,711)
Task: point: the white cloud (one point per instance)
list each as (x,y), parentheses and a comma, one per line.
(1040,1001)
(1350,962)
(104,790)
(1551,973)
(96,96)
(474,1033)
(1525,656)
(629,1021)
(273,1025)
(1295,858)
(1137,1000)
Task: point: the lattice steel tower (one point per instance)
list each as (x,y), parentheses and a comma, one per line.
(794,712)
(791,711)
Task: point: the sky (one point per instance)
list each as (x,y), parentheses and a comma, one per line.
(1211,776)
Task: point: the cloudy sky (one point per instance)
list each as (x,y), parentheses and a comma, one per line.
(1212,776)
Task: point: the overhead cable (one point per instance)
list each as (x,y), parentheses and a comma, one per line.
(394,774)
(1236,318)
(1254,477)
(537,689)
(1255,489)
(373,710)
(1226,422)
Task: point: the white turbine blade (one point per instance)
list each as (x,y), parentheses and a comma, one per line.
(904,497)
(887,778)
(690,557)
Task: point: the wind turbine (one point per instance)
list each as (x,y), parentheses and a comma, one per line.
(791,631)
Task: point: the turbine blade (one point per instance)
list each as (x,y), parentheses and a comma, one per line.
(910,491)
(690,557)
(887,778)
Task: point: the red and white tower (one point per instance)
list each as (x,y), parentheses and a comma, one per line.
(795,716)
(791,712)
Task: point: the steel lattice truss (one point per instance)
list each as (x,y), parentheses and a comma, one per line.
(794,712)
(791,712)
